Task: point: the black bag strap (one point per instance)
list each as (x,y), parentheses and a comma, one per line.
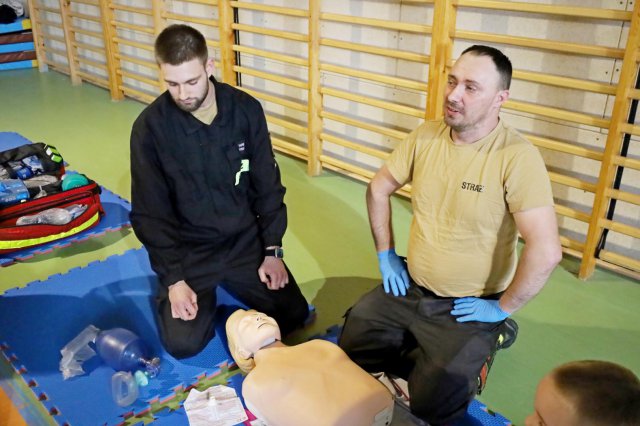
(48,154)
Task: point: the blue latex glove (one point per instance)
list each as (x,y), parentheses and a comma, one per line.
(394,272)
(476,309)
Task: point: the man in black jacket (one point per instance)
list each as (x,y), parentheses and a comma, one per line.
(207,201)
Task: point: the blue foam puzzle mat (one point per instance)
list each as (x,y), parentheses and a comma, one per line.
(36,321)
(10,140)
(115,218)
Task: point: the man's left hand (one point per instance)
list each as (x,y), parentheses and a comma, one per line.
(273,273)
(476,309)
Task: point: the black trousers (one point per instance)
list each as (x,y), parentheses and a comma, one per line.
(187,338)
(416,338)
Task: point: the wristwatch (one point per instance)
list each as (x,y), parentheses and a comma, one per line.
(275,252)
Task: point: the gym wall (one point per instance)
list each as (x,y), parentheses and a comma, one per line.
(343,81)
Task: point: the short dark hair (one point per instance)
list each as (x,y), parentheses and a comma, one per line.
(180,43)
(500,60)
(605,393)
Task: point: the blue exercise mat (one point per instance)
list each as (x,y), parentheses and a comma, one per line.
(36,321)
(115,218)
(10,140)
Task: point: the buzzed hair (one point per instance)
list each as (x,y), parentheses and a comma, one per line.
(179,43)
(604,393)
(500,60)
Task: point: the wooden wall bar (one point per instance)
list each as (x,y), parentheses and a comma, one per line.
(327,105)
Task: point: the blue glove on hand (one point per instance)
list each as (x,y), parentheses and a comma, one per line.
(394,272)
(476,309)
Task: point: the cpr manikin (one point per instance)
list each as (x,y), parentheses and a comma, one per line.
(313,383)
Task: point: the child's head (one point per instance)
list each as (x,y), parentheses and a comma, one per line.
(587,393)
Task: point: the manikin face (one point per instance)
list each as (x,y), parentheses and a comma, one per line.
(552,408)
(256,330)
(188,83)
(473,96)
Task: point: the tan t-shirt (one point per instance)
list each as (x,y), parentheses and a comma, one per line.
(208,114)
(463,235)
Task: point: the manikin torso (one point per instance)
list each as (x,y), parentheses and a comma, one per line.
(314,384)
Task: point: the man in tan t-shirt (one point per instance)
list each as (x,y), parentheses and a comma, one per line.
(476,184)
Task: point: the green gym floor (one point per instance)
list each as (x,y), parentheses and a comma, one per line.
(328,244)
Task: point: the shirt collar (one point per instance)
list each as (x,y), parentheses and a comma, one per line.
(191,124)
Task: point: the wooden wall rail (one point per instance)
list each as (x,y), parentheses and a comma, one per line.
(326,105)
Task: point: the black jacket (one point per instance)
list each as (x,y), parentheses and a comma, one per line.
(192,207)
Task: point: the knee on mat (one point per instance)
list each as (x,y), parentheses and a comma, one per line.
(183,348)
(440,405)
(347,342)
(294,317)
(357,323)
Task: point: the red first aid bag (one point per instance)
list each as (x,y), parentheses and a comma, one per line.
(30,184)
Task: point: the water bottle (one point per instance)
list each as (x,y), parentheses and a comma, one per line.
(123,350)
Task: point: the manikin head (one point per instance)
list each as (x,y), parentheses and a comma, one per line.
(587,393)
(477,86)
(248,332)
(181,53)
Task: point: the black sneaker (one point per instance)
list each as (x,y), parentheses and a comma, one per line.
(507,337)
(508,334)
(484,372)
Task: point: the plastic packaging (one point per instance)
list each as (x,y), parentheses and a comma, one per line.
(124,388)
(45,184)
(40,180)
(76,210)
(123,350)
(53,216)
(77,351)
(34,164)
(12,191)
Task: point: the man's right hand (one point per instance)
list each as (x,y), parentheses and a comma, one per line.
(183,300)
(394,272)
